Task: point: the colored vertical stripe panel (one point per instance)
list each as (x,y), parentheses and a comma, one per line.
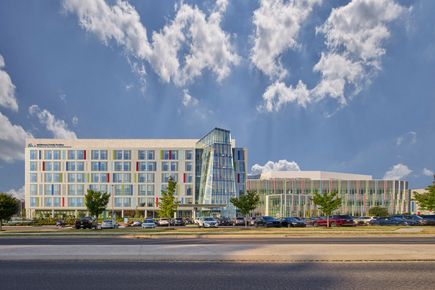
(137,166)
(43,165)
(52,189)
(184,177)
(238,177)
(63,201)
(170,154)
(108,177)
(84,154)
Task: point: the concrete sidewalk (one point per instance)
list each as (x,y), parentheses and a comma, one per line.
(222,252)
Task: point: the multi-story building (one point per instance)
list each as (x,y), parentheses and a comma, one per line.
(289,193)
(208,172)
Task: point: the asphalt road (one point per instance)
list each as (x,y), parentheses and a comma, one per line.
(69,240)
(213,275)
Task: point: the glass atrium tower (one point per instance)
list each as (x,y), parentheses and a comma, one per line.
(220,172)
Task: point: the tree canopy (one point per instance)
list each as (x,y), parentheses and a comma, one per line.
(168,204)
(327,203)
(8,207)
(96,202)
(426,200)
(246,202)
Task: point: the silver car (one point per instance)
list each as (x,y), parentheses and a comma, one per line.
(148,224)
(208,222)
(109,224)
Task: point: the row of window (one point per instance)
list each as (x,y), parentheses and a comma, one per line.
(103,154)
(79,201)
(79,189)
(102,166)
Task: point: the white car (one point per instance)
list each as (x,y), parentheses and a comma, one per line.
(109,224)
(207,222)
(148,224)
(136,224)
(363,220)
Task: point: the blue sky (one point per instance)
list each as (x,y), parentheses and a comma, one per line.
(320,85)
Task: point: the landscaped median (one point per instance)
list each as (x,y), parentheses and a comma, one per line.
(194,232)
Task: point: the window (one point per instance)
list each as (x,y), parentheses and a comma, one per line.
(142,190)
(57,177)
(103,166)
(48,177)
(34,201)
(117,177)
(189,154)
(169,154)
(56,189)
(75,201)
(141,154)
(150,155)
(118,201)
(127,166)
(80,166)
(71,189)
(127,202)
(188,166)
(189,178)
(142,177)
(33,189)
(95,166)
(117,166)
(33,154)
(80,177)
(80,154)
(80,189)
(33,165)
(71,154)
(48,201)
(56,166)
(71,177)
(33,177)
(103,177)
(151,166)
(165,166)
(150,177)
(174,166)
(165,177)
(95,177)
(48,154)
(117,155)
(56,154)
(150,189)
(48,166)
(127,177)
(128,189)
(95,154)
(127,154)
(103,154)
(174,154)
(70,166)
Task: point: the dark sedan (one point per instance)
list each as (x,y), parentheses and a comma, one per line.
(267,221)
(86,223)
(292,222)
(392,221)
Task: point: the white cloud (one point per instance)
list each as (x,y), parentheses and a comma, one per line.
(427,172)
(409,137)
(56,126)
(398,171)
(75,120)
(270,166)
(188,100)
(277,26)
(354,37)
(7,89)
(17,193)
(278,94)
(192,36)
(12,140)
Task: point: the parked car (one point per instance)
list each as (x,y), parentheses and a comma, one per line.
(86,223)
(178,222)
(239,221)
(163,222)
(188,221)
(291,222)
(428,220)
(267,221)
(309,221)
(392,221)
(363,220)
(136,224)
(413,218)
(109,224)
(335,221)
(252,221)
(148,224)
(224,221)
(207,222)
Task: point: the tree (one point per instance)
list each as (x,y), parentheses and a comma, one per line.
(8,207)
(327,203)
(96,202)
(167,204)
(426,200)
(246,203)
(378,211)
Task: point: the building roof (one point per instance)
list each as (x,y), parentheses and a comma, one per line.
(314,175)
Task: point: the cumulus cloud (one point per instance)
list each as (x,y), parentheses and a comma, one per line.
(7,89)
(277,25)
(270,166)
(354,37)
(188,100)
(17,193)
(278,94)
(409,137)
(12,140)
(56,126)
(398,171)
(427,172)
(192,36)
